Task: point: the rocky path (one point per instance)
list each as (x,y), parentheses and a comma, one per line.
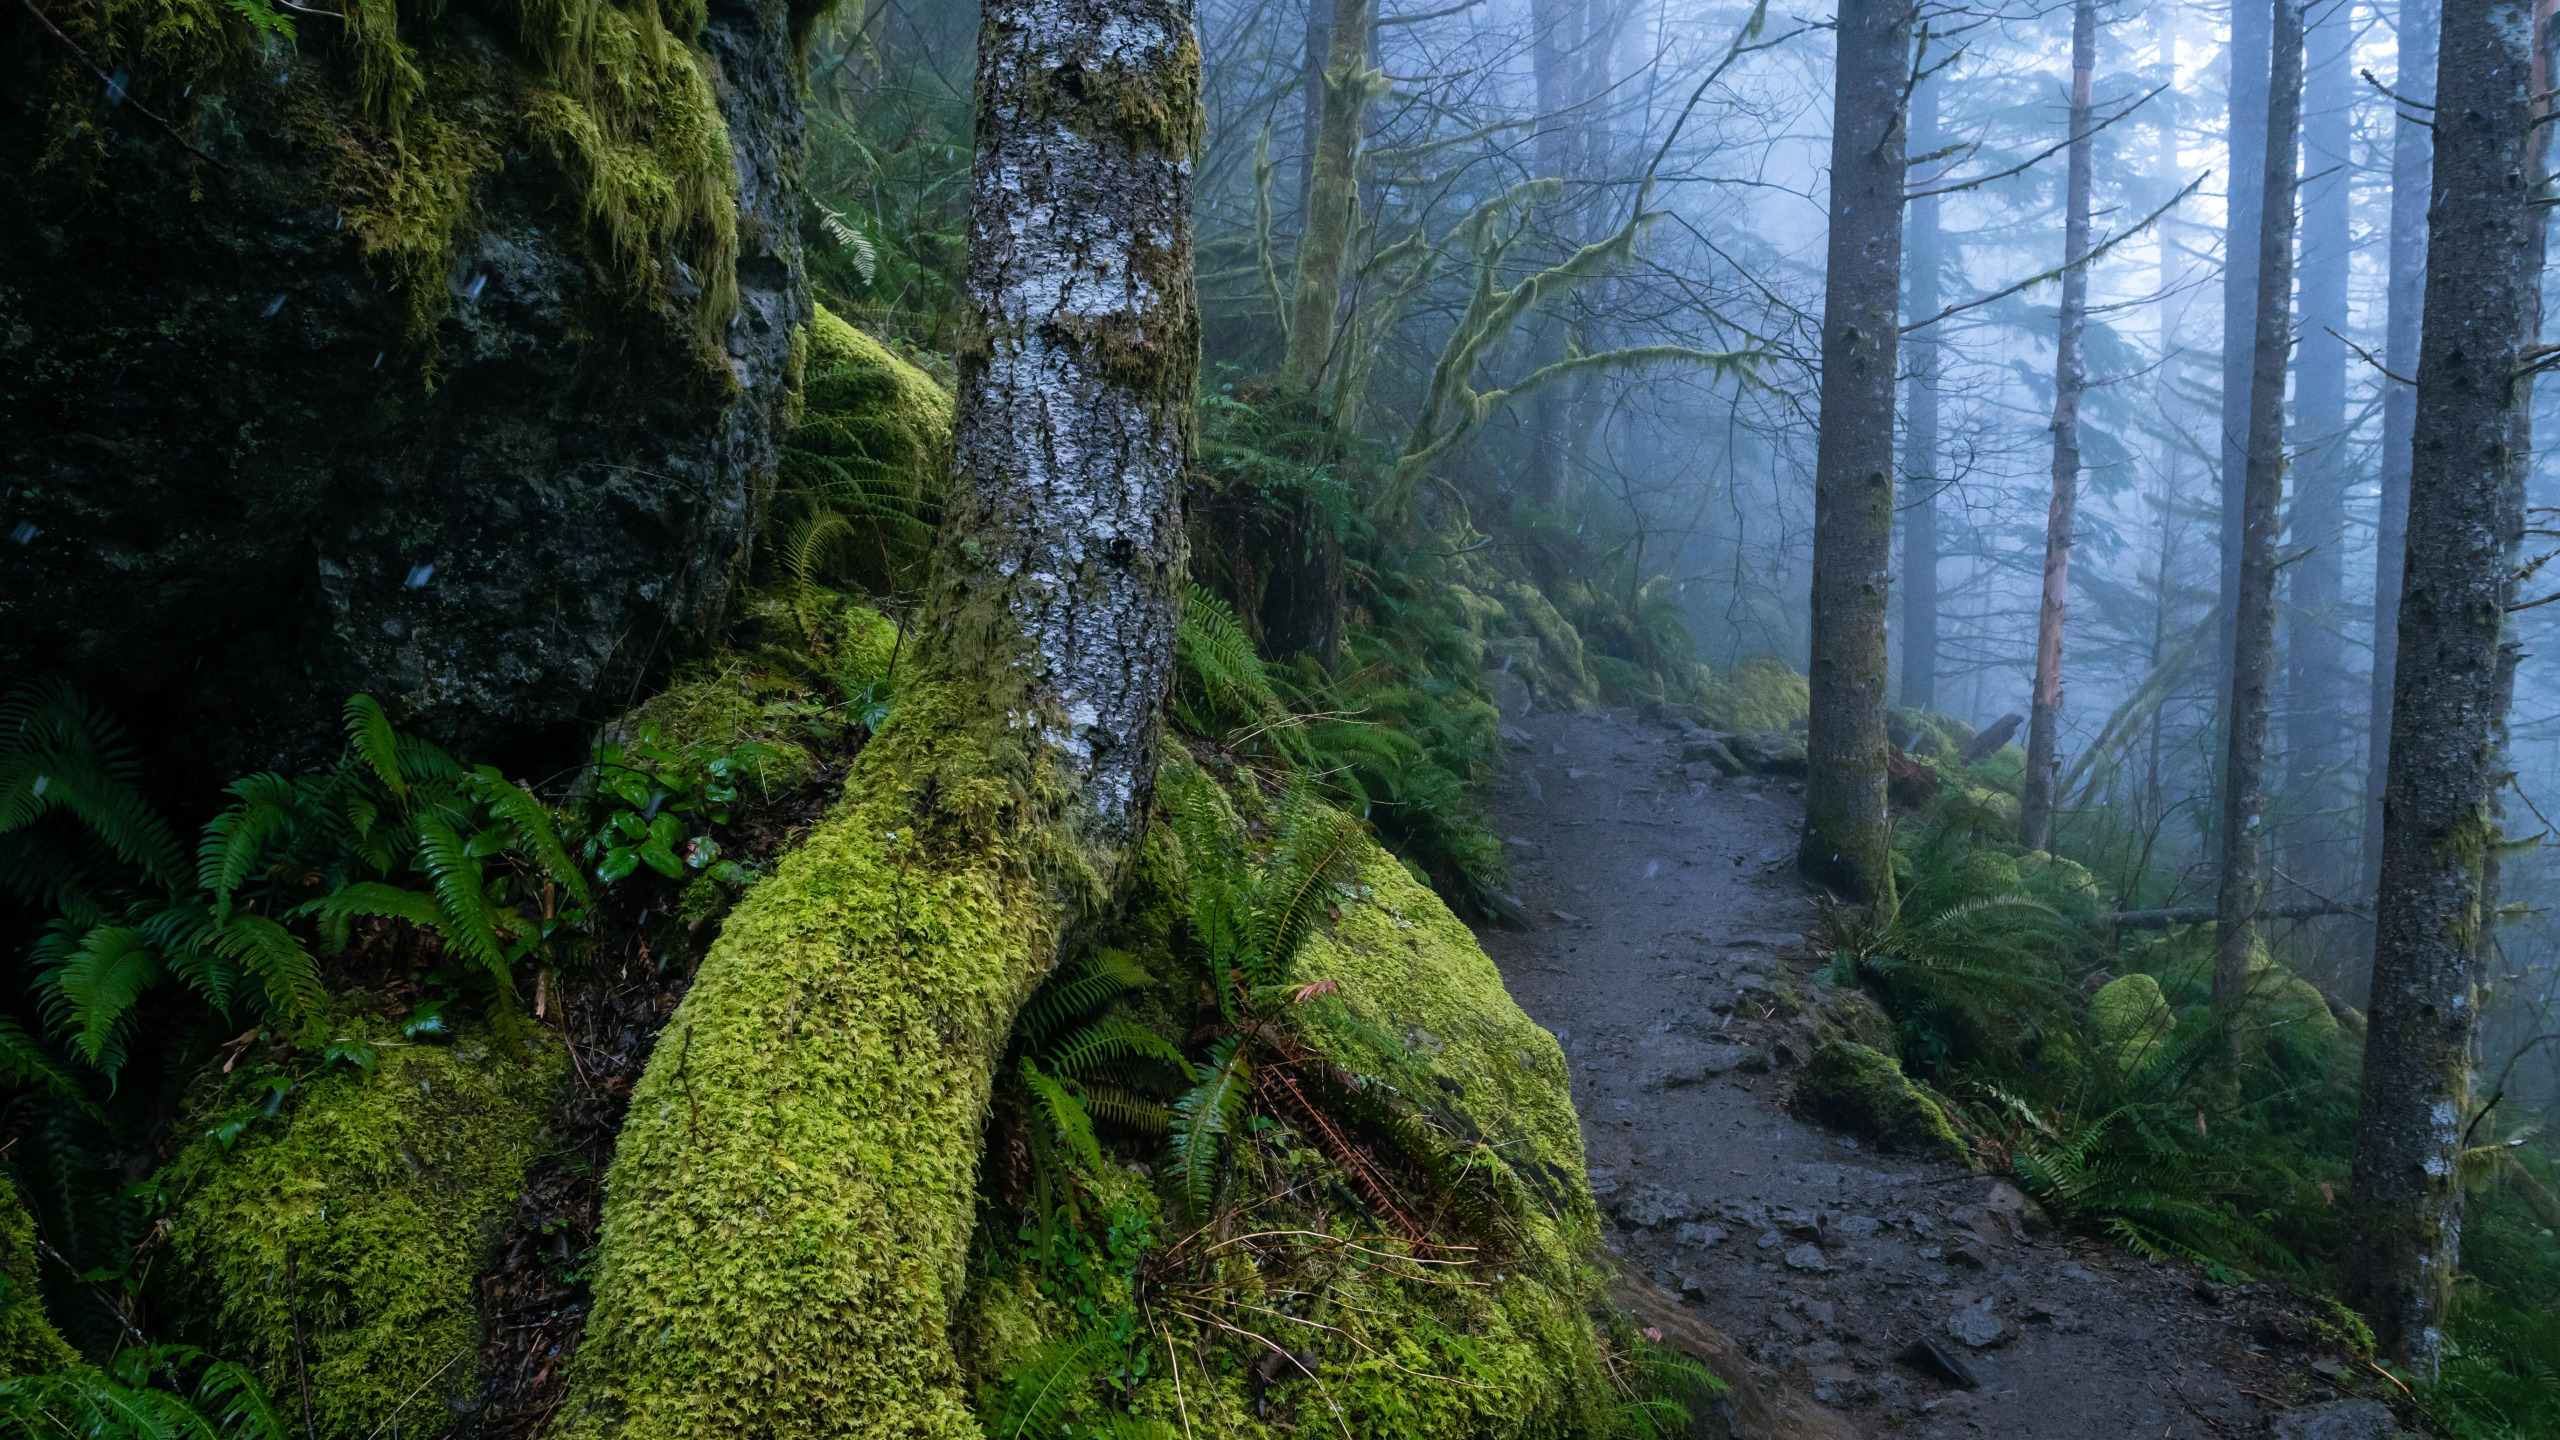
(1671,955)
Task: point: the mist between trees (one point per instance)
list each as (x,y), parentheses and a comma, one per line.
(2068,422)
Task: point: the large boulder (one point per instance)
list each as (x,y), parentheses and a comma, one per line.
(447,362)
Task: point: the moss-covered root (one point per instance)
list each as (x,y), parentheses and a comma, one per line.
(29,1344)
(792,1194)
(1863,1090)
(359,1223)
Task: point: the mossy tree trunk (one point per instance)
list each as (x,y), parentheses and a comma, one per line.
(1847,840)
(2484,265)
(2244,791)
(1333,190)
(792,1196)
(2070,377)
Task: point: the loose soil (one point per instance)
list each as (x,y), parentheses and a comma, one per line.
(1674,953)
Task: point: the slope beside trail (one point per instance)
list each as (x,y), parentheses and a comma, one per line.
(1668,932)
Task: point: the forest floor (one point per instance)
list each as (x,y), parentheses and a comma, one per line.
(1674,955)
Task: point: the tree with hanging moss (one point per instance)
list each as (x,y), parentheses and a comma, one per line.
(792,1196)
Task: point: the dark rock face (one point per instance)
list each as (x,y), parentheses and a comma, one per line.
(239,484)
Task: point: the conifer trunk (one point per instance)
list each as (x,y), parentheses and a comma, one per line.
(2044,720)
(2412,162)
(2254,637)
(1919,689)
(792,1194)
(2242,212)
(2316,692)
(2484,263)
(1333,190)
(1847,837)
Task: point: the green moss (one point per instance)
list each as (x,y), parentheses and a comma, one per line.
(29,1344)
(1512,1353)
(1862,1090)
(1560,677)
(790,1201)
(364,1216)
(1926,734)
(904,417)
(620,96)
(1760,693)
(2129,1018)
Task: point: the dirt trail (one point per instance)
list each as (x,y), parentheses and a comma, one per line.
(1668,925)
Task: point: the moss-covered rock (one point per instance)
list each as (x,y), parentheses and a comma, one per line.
(29,1344)
(361,1217)
(2129,1018)
(449,364)
(1862,1090)
(1760,693)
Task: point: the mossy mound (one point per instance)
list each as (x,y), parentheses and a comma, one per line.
(862,402)
(361,1218)
(1759,693)
(1396,1350)
(1862,1090)
(29,1345)
(2130,1019)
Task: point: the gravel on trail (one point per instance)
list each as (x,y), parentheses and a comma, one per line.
(1676,956)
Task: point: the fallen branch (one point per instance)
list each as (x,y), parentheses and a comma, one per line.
(2201,914)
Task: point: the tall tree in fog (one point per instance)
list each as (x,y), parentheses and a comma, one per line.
(2247,54)
(1559,59)
(2484,264)
(2070,377)
(2316,698)
(1920,433)
(1333,192)
(1848,840)
(2261,501)
(2412,152)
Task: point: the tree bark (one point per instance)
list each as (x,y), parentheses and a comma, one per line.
(2254,638)
(2316,696)
(788,1219)
(2044,717)
(1847,836)
(1324,240)
(2484,262)
(2248,52)
(2412,163)
(1554,52)
(1924,263)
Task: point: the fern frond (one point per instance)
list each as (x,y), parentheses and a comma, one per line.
(1066,1115)
(1082,988)
(57,751)
(1317,843)
(1110,1041)
(516,805)
(1038,1393)
(470,924)
(269,954)
(1204,1117)
(375,743)
(28,1065)
(93,983)
(265,807)
(390,902)
(1126,1108)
